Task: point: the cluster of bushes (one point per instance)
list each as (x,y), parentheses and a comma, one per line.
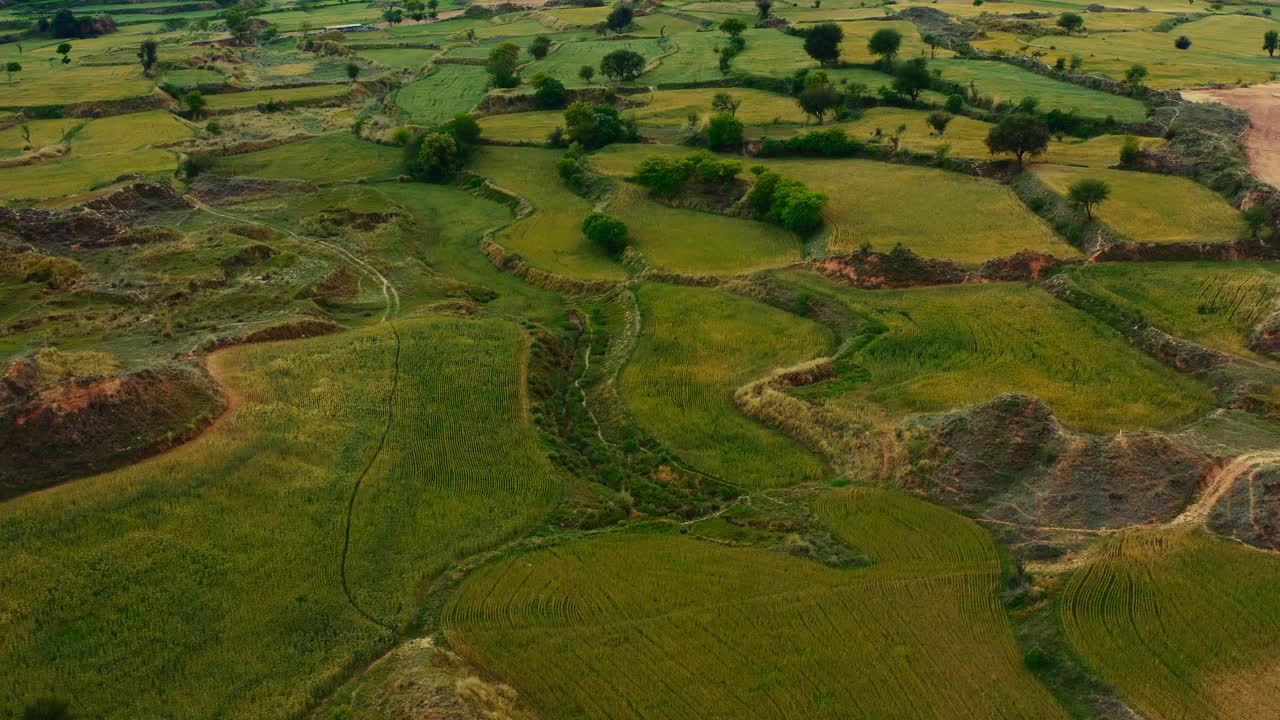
(785,201)
(437,155)
(666,176)
(572,169)
(831,142)
(733,27)
(594,127)
(605,232)
(548,92)
(66,25)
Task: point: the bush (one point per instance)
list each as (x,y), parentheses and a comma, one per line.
(595,127)
(955,103)
(434,157)
(665,176)
(1182,43)
(607,233)
(1129,151)
(786,201)
(550,94)
(724,131)
(622,65)
(832,142)
(539,46)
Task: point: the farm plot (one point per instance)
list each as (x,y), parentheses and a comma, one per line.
(1156,208)
(43,133)
(310,93)
(701,630)
(447,91)
(1006,82)
(563,62)
(969,219)
(930,350)
(399,58)
(340,157)
(697,347)
(1217,304)
(209,577)
(528,127)
(40,83)
(856,34)
(1181,623)
(551,238)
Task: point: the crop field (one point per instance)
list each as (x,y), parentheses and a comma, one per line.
(969,220)
(340,157)
(563,62)
(43,133)
(1156,208)
(1006,82)
(679,381)
(217,565)
(447,91)
(705,630)
(856,35)
(930,350)
(399,58)
(238,100)
(1180,622)
(40,84)
(1217,304)
(551,238)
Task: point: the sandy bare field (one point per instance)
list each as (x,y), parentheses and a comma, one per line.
(1262,140)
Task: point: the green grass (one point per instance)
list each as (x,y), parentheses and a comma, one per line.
(447,91)
(551,238)
(40,83)
(411,58)
(856,34)
(208,577)
(564,61)
(697,346)
(930,350)
(238,100)
(79,174)
(1217,304)
(1181,623)
(191,78)
(638,625)
(1155,208)
(944,214)
(123,133)
(340,157)
(43,133)
(1006,82)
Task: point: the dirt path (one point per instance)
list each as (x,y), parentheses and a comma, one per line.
(1262,139)
(1197,513)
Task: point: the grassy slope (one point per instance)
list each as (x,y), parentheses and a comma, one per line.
(699,630)
(205,581)
(447,91)
(949,347)
(1006,82)
(233,101)
(340,157)
(697,346)
(1158,208)
(1181,623)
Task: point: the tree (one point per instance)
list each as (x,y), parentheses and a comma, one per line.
(1020,134)
(1135,74)
(437,158)
(1070,22)
(619,18)
(939,120)
(1271,42)
(724,131)
(1076,63)
(549,93)
(817,100)
(64,49)
(539,47)
(932,41)
(237,21)
(763,7)
(393,15)
(1087,193)
(1060,65)
(622,65)
(733,27)
(911,77)
(1182,43)
(723,102)
(431,8)
(195,102)
(586,72)
(502,65)
(607,233)
(65,24)
(26,136)
(353,71)
(148,55)
(885,43)
(48,709)
(10,68)
(1256,218)
(955,103)
(822,42)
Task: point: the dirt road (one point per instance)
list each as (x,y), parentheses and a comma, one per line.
(1262,140)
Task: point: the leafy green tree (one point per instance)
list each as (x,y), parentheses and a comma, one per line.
(437,158)
(619,18)
(1060,65)
(1019,134)
(939,120)
(818,99)
(822,42)
(762,9)
(1182,43)
(1076,63)
(733,27)
(724,132)
(237,20)
(64,49)
(1071,22)
(607,233)
(1271,42)
(1088,193)
(586,72)
(885,44)
(353,71)
(1135,74)
(723,102)
(955,103)
(10,68)
(911,77)
(502,63)
(432,6)
(1256,218)
(195,102)
(549,93)
(393,16)
(932,41)
(539,47)
(622,65)
(148,55)
(1129,150)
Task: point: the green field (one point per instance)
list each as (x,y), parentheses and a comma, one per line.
(698,346)
(856,34)
(1217,304)
(958,217)
(930,350)
(701,630)
(214,569)
(551,238)
(447,91)
(1006,82)
(564,61)
(410,58)
(239,100)
(1181,623)
(340,157)
(1155,208)
(40,83)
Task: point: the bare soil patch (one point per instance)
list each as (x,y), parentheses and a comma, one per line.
(1262,140)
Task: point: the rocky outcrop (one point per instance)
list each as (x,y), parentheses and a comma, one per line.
(1248,509)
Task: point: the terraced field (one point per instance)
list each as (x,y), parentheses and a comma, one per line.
(447,91)
(1006,82)
(1180,622)
(563,63)
(704,630)
(340,157)
(192,548)
(240,100)
(929,350)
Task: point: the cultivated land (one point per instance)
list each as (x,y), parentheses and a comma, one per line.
(415,372)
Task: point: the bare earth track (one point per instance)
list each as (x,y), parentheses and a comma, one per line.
(1262,140)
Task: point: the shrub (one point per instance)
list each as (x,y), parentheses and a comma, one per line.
(549,93)
(822,42)
(663,176)
(595,127)
(1087,193)
(939,121)
(437,158)
(502,63)
(1182,43)
(607,233)
(724,131)
(539,46)
(622,65)
(786,201)
(1129,151)
(955,103)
